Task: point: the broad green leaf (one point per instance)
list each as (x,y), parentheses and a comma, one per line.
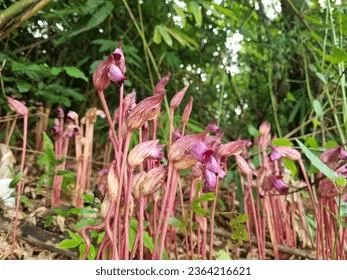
(222,255)
(55,71)
(74,72)
(23,86)
(198,210)
(282,142)
(331,144)
(194,8)
(69,244)
(148,241)
(311,143)
(291,166)
(156,35)
(252,130)
(316,162)
(85,222)
(166,36)
(92,253)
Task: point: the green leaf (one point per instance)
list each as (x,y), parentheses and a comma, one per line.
(23,86)
(331,144)
(85,222)
(195,9)
(198,210)
(282,142)
(148,241)
(55,71)
(25,200)
(291,166)
(316,162)
(156,35)
(252,130)
(74,72)
(222,255)
(92,253)
(317,107)
(164,33)
(69,244)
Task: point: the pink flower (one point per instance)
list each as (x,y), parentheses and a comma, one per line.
(60,113)
(233,148)
(116,75)
(201,152)
(210,181)
(148,149)
(101,80)
(243,165)
(279,152)
(17,106)
(213,166)
(119,59)
(213,128)
(146,110)
(279,185)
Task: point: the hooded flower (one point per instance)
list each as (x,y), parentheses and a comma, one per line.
(112,68)
(279,152)
(119,59)
(233,148)
(17,106)
(183,146)
(148,149)
(116,75)
(213,128)
(279,185)
(147,109)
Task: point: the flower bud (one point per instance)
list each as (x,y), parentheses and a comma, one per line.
(137,183)
(177,99)
(112,183)
(243,165)
(104,207)
(187,111)
(153,180)
(160,87)
(101,80)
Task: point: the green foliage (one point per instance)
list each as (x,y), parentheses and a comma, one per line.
(196,205)
(239,232)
